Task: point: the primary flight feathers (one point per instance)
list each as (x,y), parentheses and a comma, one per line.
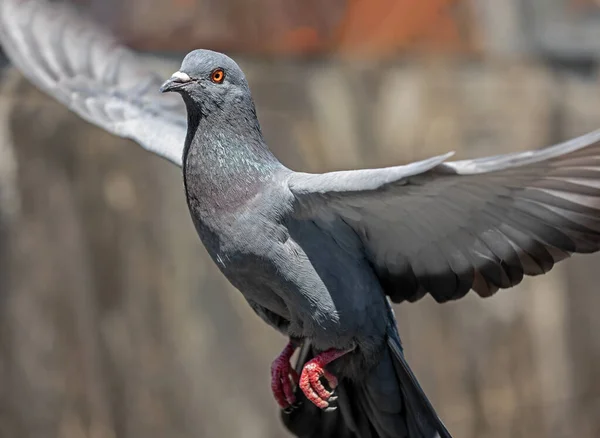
(445,228)
(71,59)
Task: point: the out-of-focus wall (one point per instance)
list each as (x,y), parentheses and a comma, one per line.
(115,324)
(365,27)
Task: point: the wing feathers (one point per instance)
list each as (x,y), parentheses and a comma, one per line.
(72,60)
(474,224)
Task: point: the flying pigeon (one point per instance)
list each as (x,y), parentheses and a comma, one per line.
(320,257)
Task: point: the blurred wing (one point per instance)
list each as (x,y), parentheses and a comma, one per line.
(446,228)
(71,59)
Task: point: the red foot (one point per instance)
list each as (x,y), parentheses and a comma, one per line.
(281,373)
(310,379)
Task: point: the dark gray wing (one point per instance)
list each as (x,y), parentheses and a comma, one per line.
(73,60)
(445,228)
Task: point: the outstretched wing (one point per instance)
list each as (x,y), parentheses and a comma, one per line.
(71,59)
(445,228)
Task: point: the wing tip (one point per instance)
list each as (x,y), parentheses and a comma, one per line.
(518,159)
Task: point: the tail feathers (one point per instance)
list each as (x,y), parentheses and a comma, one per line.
(382,400)
(422,419)
(388,403)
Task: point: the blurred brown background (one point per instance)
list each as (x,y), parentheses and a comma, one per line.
(114,323)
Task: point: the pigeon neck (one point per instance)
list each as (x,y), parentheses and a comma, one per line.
(230,129)
(226,160)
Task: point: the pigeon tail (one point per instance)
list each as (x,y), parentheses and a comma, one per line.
(421,419)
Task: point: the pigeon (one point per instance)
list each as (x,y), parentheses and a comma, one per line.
(321,257)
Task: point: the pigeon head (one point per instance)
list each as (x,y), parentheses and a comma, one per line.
(208,79)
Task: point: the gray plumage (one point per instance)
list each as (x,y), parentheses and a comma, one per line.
(71,59)
(318,256)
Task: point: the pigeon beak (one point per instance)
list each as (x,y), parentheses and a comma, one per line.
(175,82)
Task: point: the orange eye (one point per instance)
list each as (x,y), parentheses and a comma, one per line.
(217,76)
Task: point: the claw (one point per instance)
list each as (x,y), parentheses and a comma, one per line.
(313,372)
(291,408)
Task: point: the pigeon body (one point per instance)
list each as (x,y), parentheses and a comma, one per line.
(314,283)
(308,278)
(320,256)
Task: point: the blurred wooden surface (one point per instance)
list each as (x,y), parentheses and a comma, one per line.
(115,324)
